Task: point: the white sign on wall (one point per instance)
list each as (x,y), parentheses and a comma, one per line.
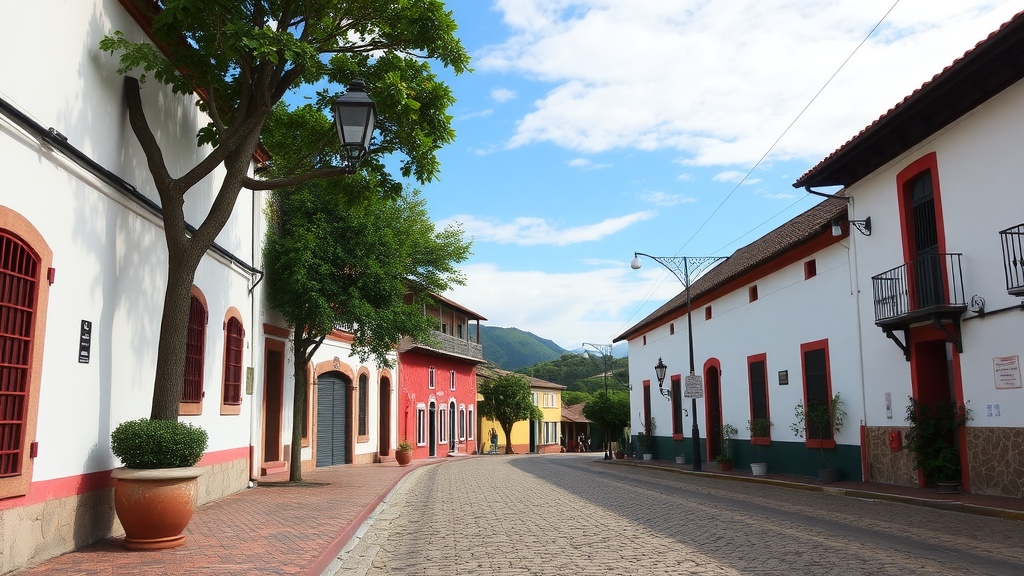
(1006,370)
(694,387)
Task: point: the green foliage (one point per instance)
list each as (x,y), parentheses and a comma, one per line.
(146,443)
(932,438)
(404,446)
(581,372)
(759,428)
(573,397)
(512,348)
(820,422)
(331,262)
(609,411)
(506,399)
(727,432)
(645,438)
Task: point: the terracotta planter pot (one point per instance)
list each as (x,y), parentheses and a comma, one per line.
(403,457)
(154,506)
(725,466)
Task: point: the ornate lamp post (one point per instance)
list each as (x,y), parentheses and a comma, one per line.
(354,115)
(680,267)
(606,352)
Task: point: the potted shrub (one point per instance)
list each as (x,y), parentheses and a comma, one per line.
(645,439)
(404,453)
(932,439)
(723,459)
(158,487)
(620,453)
(760,429)
(821,422)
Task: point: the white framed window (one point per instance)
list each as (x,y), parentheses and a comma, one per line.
(451,373)
(430,378)
(549,400)
(462,422)
(421,425)
(442,428)
(550,433)
(470,424)
(536,399)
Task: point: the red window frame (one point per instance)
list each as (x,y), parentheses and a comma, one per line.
(810,269)
(804,349)
(192,392)
(234,345)
(752,293)
(677,407)
(754,413)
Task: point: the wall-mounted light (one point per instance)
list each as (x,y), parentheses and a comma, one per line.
(862,226)
(659,371)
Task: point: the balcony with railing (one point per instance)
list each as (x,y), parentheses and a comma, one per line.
(445,344)
(927,289)
(1013,259)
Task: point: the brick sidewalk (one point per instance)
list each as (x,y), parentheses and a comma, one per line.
(272,529)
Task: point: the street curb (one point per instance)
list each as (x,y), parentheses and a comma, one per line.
(324,561)
(949,505)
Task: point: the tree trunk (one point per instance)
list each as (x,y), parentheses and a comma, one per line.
(507,429)
(300,348)
(170,359)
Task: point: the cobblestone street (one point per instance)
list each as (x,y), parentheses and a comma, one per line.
(574,514)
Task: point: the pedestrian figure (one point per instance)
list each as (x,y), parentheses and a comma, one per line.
(494,441)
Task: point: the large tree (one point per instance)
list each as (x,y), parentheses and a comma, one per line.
(333,262)
(507,400)
(610,411)
(242,58)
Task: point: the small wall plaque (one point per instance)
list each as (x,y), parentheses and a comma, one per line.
(783,377)
(85,342)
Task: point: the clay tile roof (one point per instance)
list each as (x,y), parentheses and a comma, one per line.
(573,413)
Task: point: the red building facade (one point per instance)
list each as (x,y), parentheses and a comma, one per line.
(437,385)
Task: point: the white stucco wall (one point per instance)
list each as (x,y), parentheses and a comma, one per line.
(109,254)
(789,311)
(979,174)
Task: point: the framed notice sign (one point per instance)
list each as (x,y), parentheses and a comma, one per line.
(1006,370)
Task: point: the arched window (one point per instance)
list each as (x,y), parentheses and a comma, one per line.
(195,348)
(234,343)
(364,385)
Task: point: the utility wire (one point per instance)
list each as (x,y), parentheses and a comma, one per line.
(759,162)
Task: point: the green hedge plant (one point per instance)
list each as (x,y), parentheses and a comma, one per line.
(145,443)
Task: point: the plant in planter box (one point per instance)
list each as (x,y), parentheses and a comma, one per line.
(820,422)
(759,428)
(157,490)
(645,438)
(932,438)
(404,453)
(727,432)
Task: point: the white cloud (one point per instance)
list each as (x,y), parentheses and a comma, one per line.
(735,177)
(721,81)
(564,307)
(503,94)
(478,114)
(533,231)
(666,199)
(587,165)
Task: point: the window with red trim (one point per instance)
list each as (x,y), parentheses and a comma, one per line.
(195,344)
(817,391)
(810,269)
(752,293)
(677,407)
(707,312)
(234,342)
(671,328)
(757,377)
(19,273)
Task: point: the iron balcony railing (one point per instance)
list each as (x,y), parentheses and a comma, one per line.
(928,284)
(1013,259)
(446,343)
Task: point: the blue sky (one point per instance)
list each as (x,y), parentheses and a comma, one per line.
(590,129)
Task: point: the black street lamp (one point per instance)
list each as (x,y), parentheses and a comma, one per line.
(694,387)
(354,115)
(606,352)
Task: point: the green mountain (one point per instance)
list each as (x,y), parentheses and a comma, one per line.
(512,348)
(582,372)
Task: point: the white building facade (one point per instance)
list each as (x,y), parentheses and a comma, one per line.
(773,327)
(940,276)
